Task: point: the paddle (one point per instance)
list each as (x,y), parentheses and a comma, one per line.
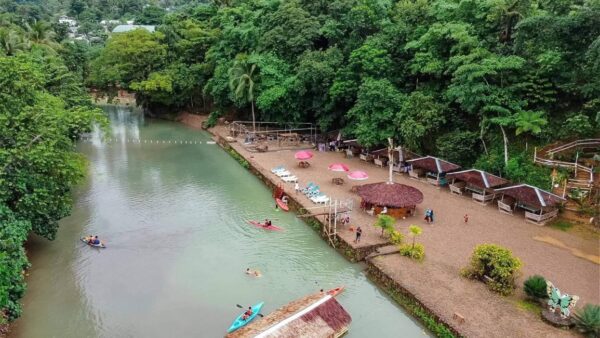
(241,307)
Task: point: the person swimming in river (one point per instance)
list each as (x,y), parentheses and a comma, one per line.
(248,313)
(254,273)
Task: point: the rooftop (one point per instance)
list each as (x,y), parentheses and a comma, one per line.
(393,195)
(532,196)
(478,178)
(127,28)
(433,164)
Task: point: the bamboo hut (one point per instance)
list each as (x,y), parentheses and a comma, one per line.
(435,169)
(398,199)
(480,183)
(317,315)
(540,206)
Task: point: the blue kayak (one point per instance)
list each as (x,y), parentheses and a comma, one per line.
(238,322)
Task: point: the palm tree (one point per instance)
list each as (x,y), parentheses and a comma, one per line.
(414,231)
(530,122)
(41,33)
(11,41)
(241,81)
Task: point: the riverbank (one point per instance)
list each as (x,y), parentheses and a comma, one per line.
(448,245)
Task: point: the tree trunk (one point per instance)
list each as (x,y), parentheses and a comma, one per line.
(253,118)
(505,139)
(482,140)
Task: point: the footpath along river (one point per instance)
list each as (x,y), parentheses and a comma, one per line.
(174,220)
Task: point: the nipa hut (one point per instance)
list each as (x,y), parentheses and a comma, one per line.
(400,156)
(395,199)
(540,206)
(317,315)
(435,169)
(480,183)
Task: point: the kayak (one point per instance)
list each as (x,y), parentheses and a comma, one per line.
(282,205)
(336,291)
(239,322)
(269,227)
(101,245)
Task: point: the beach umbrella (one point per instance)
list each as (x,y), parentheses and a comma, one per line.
(339,167)
(358,175)
(303,155)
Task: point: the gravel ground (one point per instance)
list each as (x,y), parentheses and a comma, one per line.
(448,246)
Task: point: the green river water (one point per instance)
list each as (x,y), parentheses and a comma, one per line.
(174,220)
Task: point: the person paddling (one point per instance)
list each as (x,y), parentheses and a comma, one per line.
(248,313)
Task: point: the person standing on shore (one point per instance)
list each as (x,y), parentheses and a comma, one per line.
(297,187)
(431,215)
(358,234)
(428,216)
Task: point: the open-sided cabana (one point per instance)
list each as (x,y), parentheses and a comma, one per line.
(480,183)
(400,200)
(400,155)
(435,169)
(353,148)
(540,206)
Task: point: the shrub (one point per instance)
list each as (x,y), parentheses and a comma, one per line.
(212,119)
(396,237)
(587,320)
(414,251)
(496,265)
(535,287)
(386,223)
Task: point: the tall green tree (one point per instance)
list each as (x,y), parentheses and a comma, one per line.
(241,82)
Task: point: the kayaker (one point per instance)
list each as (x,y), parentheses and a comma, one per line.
(96,241)
(89,239)
(248,313)
(284,199)
(268,222)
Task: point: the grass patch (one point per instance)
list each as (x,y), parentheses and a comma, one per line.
(529,306)
(561,225)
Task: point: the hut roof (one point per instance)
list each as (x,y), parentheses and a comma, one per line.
(433,164)
(393,195)
(478,178)
(352,143)
(531,195)
(315,315)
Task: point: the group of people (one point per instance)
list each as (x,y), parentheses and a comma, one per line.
(93,240)
(267,223)
(429,216)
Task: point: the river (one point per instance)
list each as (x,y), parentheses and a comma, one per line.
(174,220)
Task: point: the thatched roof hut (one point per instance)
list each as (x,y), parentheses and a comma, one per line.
(532,196)
(317,315)
(393,195)
(433,164)
(478,178)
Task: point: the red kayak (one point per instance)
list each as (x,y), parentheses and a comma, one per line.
(283,206)
(267,227)
(336,291)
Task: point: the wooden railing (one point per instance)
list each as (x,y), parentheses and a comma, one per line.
(550,162)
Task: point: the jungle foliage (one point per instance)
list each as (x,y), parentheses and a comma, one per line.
(477,82)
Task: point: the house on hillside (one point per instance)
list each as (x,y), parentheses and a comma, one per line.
(128,28)
(65,20)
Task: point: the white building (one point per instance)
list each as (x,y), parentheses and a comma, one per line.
(127,28)
(67,21)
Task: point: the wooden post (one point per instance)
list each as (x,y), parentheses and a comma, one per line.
(534,154)
(576,159)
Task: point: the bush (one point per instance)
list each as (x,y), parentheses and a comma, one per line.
(212,119)
(396,237)
(535,287)
(416,251)
(459,147)
(386,223)
(496,265)
(587,320)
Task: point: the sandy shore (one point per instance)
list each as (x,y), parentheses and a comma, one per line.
(449,243)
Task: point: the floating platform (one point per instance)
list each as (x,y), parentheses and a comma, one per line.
(318,315)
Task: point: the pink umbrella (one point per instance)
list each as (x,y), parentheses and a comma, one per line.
(338,167)
(358,175)
(303,155)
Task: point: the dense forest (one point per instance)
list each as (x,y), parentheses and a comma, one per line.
(477,82)
(44,107)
